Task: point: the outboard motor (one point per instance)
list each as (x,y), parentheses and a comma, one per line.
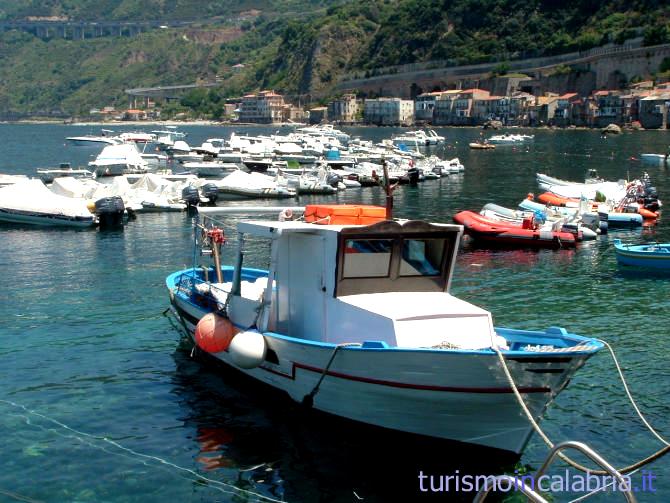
(211,192)
(413,174)
(334,179)
(191,196)
(650,199)
(604,225)
(109,211)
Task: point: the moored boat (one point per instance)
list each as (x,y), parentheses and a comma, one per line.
(354,318)
(498,233)
(31,202)
(652,255)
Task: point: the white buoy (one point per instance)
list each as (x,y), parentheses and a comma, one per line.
(247,349)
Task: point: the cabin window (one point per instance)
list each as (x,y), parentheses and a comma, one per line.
(367,258)
(421,257)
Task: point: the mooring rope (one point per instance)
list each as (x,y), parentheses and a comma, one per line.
(216,484)
(626,469)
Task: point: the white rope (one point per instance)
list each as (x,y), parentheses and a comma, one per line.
(630,396)
(548,441)
(231,489)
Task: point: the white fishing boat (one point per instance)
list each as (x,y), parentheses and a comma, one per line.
(31,202)
(354,318)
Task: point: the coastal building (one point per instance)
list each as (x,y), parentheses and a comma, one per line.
(424,106)
(134,114)
(565,109)
(265,107)
(344,109)
(653,110)
(520,106)
(456,107)
(317,115)
(389,112)
(544,110)
(608,108)
(490,108)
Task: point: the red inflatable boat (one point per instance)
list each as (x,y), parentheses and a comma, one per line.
(512,234)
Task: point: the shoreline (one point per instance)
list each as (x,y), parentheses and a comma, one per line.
(250,124)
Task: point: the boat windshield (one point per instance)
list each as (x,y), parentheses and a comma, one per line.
(389,257)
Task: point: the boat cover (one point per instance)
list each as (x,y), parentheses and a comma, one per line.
(33,196)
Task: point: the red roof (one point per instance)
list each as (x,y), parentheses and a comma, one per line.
(567,96)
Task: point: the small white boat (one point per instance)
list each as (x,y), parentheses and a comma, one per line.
(354,318)
(31,202)
(47,175)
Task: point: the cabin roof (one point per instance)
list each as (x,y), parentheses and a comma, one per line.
(268,228)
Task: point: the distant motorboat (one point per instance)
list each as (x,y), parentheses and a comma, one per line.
(508,138)
(117,160)
(92,141)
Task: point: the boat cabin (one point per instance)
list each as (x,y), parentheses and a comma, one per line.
(386,283)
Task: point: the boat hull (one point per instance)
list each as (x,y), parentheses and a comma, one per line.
(511,235)
(44,219)
(647,256)
(455,395)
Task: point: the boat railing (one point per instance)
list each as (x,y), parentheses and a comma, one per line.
(623,485)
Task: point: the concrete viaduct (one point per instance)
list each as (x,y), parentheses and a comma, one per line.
(80,30)
(626,61)
(165,92)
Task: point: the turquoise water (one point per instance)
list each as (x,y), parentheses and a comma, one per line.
(101,401)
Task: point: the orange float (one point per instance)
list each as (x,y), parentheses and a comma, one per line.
(344,214)
(213,333)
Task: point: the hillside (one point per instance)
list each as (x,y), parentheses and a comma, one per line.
(296,54)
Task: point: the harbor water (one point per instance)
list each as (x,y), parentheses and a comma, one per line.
(101,401)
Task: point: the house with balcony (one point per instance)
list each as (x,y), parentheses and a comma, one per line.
(608,108)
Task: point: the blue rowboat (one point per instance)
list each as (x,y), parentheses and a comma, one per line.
(654,255)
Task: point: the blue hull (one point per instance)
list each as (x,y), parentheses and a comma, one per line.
(654,256)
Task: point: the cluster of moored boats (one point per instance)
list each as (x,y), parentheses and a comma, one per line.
(565,213)
(159,171)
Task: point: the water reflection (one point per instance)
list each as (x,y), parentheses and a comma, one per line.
(268,444)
